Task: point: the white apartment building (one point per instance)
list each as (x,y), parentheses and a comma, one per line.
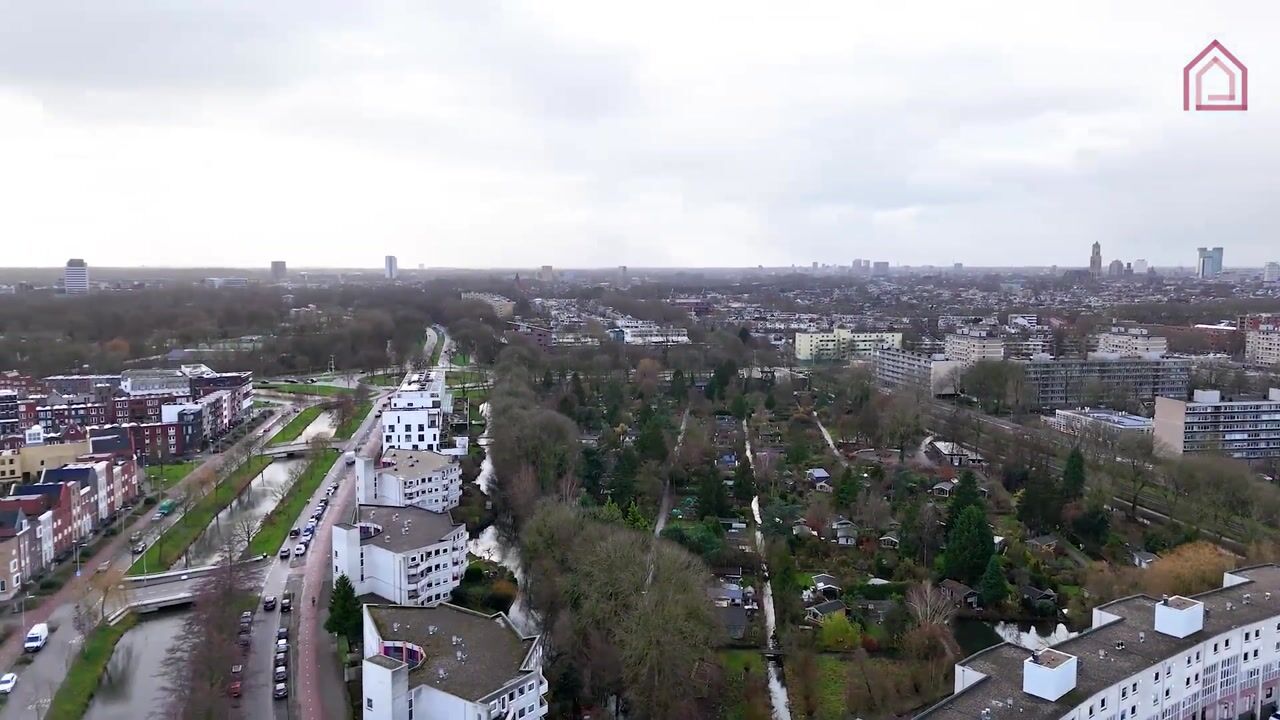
(421,478)
(646,332)
(502,307)
(1130,342)
(1271,272)
(903,368)
(843,344)
(1214,656)
(1024,320)
(1098,420)
(1262,348)
(449,662)
(75,277)
(1246,428)
(407,555)
(418,411)
(973,346)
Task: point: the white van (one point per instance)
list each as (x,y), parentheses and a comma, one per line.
(37,636)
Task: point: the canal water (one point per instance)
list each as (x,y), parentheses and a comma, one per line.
(777,687)
(133,685)
(254,503)
(974,635)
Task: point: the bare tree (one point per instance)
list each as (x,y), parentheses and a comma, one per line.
(106,586)
(928,605)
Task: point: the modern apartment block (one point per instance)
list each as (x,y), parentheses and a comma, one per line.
(1053,383)
(408,555)
(1214,656)
(843,344)
(418,412)
(1245,428)
(1262,348)
(1093,421)
(1131,342)
(934,374)
(502,307)
(973,346)
(75,277)
(421,478)
(449,662)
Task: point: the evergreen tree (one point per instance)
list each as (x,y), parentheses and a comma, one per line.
(345,617)
(547,380)
(969,547)
(739,407)
(610,512)
(679,387)
(1040,506)
(713,501)
(770,403)
(636,518)
(1073,476)
(965,495)
(993,588)
(744,482)
(847,490)
(651,443)
(579,392)
(591,470)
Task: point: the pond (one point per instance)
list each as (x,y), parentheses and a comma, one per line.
(974,635)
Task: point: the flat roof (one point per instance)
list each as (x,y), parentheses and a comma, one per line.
(1111,417)
(495,651)
(1101,664)
(413,463)
(403,528)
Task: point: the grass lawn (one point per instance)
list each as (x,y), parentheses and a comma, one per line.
(275,526)
(165,551)
(166,476)
(461,358)
(385,379)
(348,428)
(459,378)
(435,351)
(737,664)
(305,389)
(81,681)
(294,428)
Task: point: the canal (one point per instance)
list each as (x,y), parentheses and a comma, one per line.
(254,503)
(133,685)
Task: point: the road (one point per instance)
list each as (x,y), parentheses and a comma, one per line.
(43,676)
(664,507)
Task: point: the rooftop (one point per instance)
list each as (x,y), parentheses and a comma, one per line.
(1111,417)
(402,528)
(494,652)
(1101,664)
(413,462)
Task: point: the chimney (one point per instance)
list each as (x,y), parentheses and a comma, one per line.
(1180,616)
(1049,674)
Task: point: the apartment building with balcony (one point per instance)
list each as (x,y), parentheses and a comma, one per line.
(417,412)
(449,662)
(842,344)
(1131,342)
(421,478)
(1262,348)
(1213,656)
(971,346)
(1073,382)
(934,374)
(408,555)
(1248,429)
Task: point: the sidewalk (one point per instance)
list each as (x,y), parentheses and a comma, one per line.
(75,587)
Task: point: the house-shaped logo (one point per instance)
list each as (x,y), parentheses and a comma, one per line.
(1215,80)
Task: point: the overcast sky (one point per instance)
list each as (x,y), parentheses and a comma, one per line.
(582,134)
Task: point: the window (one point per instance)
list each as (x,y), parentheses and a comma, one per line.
(1124,693)
(1090,711)
(368,703)
(1135,686)
(1269,692)
(1102,704)
(1156,677)
(1255,653)
(1187,683)
(1226,643)
(1215,648)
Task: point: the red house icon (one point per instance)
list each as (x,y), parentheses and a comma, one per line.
(1218,60)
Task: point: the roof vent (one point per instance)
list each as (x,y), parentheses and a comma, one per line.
(431,629)
(1119,644)
(441,674)
(1142,636)
(1247,598)
(985,714)
(1102,654)
(1230,606)
(395,627)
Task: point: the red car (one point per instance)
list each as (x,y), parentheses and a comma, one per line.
(234,689)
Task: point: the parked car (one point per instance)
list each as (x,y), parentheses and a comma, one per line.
(233,689)
(294,532)
(285,552)
(282,633)
(269,602)
(139,549)
(282,658)
(281,673)
(136,537)
(281,691)
(286,602)
(243,639)
(300,549)
(7,681)
(237,671)
(282,646)
(246,617)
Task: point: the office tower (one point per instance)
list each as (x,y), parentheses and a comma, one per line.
(1271,273)
(1095,261)
(75,278)
(1208,262)
(546,273)
(391,267)
(278,270)
(1115,269)
(1139,267)
(958,267)
(880,268)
